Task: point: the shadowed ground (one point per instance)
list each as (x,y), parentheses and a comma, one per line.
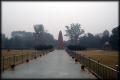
(57,64)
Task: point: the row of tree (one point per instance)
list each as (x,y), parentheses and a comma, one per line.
(43,47)
(77,37)
(89,40)
(76,47)
(28,40)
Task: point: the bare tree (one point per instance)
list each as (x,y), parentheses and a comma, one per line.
(39,30)
(73,32)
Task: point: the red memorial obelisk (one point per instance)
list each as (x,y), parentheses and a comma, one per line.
(60,41)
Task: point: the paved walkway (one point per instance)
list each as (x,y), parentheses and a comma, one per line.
(57,64)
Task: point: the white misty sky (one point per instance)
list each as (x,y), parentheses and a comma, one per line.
(94,17)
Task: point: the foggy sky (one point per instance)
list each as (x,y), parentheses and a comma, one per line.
(94,17)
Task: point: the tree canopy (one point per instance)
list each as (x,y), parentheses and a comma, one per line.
(27,40)
(88,40)
(73,32)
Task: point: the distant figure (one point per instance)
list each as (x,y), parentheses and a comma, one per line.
(60,41)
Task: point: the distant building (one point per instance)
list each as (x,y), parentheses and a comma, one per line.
(107,46)
(60,41)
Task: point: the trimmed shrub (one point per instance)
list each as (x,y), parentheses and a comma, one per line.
(43,47)
(76,47)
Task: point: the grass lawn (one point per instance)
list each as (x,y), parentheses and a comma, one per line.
(109,58)
(6,53)
(20,57)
